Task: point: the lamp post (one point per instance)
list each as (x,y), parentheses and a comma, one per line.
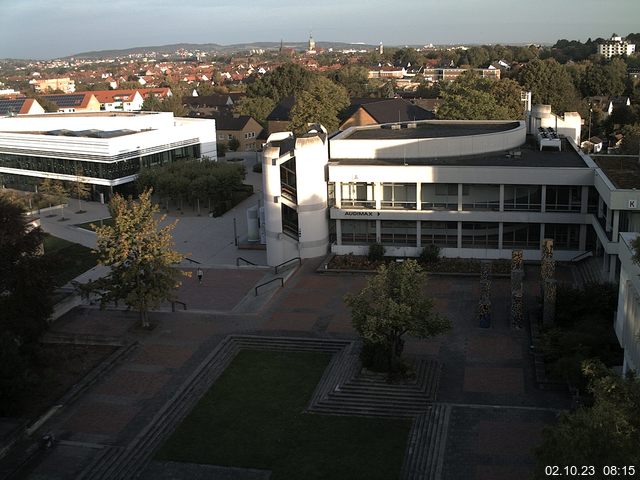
(589,139)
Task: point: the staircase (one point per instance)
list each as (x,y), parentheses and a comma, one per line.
(587,271)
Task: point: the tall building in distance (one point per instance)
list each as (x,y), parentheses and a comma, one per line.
(311,48)
(615,46)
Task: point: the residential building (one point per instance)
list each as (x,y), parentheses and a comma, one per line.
(280,117)
(65,84)
(209,104)
(119,100)
(615,46)
(244,128)
(74,102)
(19,106)
(106,150)
(375,111)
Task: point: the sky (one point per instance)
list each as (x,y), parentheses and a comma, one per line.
(43,29)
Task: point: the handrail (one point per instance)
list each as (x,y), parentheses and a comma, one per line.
(267,283)
(244,260)
(192,260)
(173,305)
(582,256)
(288,261)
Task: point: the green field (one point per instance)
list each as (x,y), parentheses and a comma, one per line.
(69,259)
(253,418)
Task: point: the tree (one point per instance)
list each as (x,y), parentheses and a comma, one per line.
(404,57)
(605,79)
(550,84)
(355,78)
(81,189)
(319,103)
(54,190)
(286,80)
(257,107)
(140,255)
(604,434)
(392,304)
(470,97)
(25,280)
(234,144)
(631,141)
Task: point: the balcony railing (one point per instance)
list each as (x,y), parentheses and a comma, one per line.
(493,206)
(358,203)
(398,205)
(439,206)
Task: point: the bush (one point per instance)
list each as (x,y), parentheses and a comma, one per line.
(430,254)
(376,252)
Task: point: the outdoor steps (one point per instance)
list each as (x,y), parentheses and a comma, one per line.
(589,271)
(425,448)
(128,462)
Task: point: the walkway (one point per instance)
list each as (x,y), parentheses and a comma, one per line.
(488,411)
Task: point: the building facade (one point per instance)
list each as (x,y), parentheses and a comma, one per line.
(616,46)
(105,150)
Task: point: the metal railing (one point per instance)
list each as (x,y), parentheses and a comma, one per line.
(173,305)
(288,261)
(192,260)
(267,283)
(244,260)
(582,256)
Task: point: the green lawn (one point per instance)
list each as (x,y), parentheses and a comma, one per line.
(97,223)
(69,259)
(253,417)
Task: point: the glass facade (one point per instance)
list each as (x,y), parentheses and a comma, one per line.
(288,180)
(399,195)
(290,221)
(480,235)
(563,198)
(357,195)
(481,197)
(523,198)
(565,237)
(398,232)
(442,234)
(358,232)
(521,235)
(105,170)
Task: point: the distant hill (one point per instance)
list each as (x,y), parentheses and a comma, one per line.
(215,48)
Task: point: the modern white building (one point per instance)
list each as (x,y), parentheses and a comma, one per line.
(475,189)
(615,46)
(106,150)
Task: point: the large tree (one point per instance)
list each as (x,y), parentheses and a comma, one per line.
(25,280)
(604,434)
(286,80)
(550,83)
(355,78)
(391,305)
(605,79)
(140,254)
(257,107)
(470,97)
(319,103)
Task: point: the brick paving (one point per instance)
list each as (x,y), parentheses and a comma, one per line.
(480,366)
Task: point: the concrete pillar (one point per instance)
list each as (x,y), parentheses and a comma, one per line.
(502,197)
(377,194)
(582,241)
(339,232)
(616,225)
(613,261)
(584,199)
(378,232)
(419,196)
(543,198)
(418,235)
(459,234)
(608,222)
(541,236)
(459,197)
(500,233)
(338,194)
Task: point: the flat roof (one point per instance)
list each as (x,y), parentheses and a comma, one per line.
(428,129)
(529,156)
(87,114)
(622,170)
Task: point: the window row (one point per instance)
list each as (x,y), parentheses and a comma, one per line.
(445,234)
(444,196)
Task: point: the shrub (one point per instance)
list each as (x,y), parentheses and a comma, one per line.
(376,252)
(430,254)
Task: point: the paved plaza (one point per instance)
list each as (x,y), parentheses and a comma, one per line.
(495,412)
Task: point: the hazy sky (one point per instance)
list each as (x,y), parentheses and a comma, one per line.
(50,28)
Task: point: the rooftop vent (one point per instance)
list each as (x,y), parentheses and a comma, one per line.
(396,126)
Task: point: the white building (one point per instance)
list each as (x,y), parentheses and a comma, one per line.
(476,189)
(106,149)
(616,46)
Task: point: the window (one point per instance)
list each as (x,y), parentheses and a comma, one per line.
(523,197)
(398,232)
(358,232)
(230,137)
(481,197)
(563,199)
(290,221)
(439,196)
(521,235)
(565,237)
(442,234)
(399,195)
(288,180)
(357,195)
(480,235)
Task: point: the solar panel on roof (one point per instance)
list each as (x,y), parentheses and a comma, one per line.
(65,101)
(11,106)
